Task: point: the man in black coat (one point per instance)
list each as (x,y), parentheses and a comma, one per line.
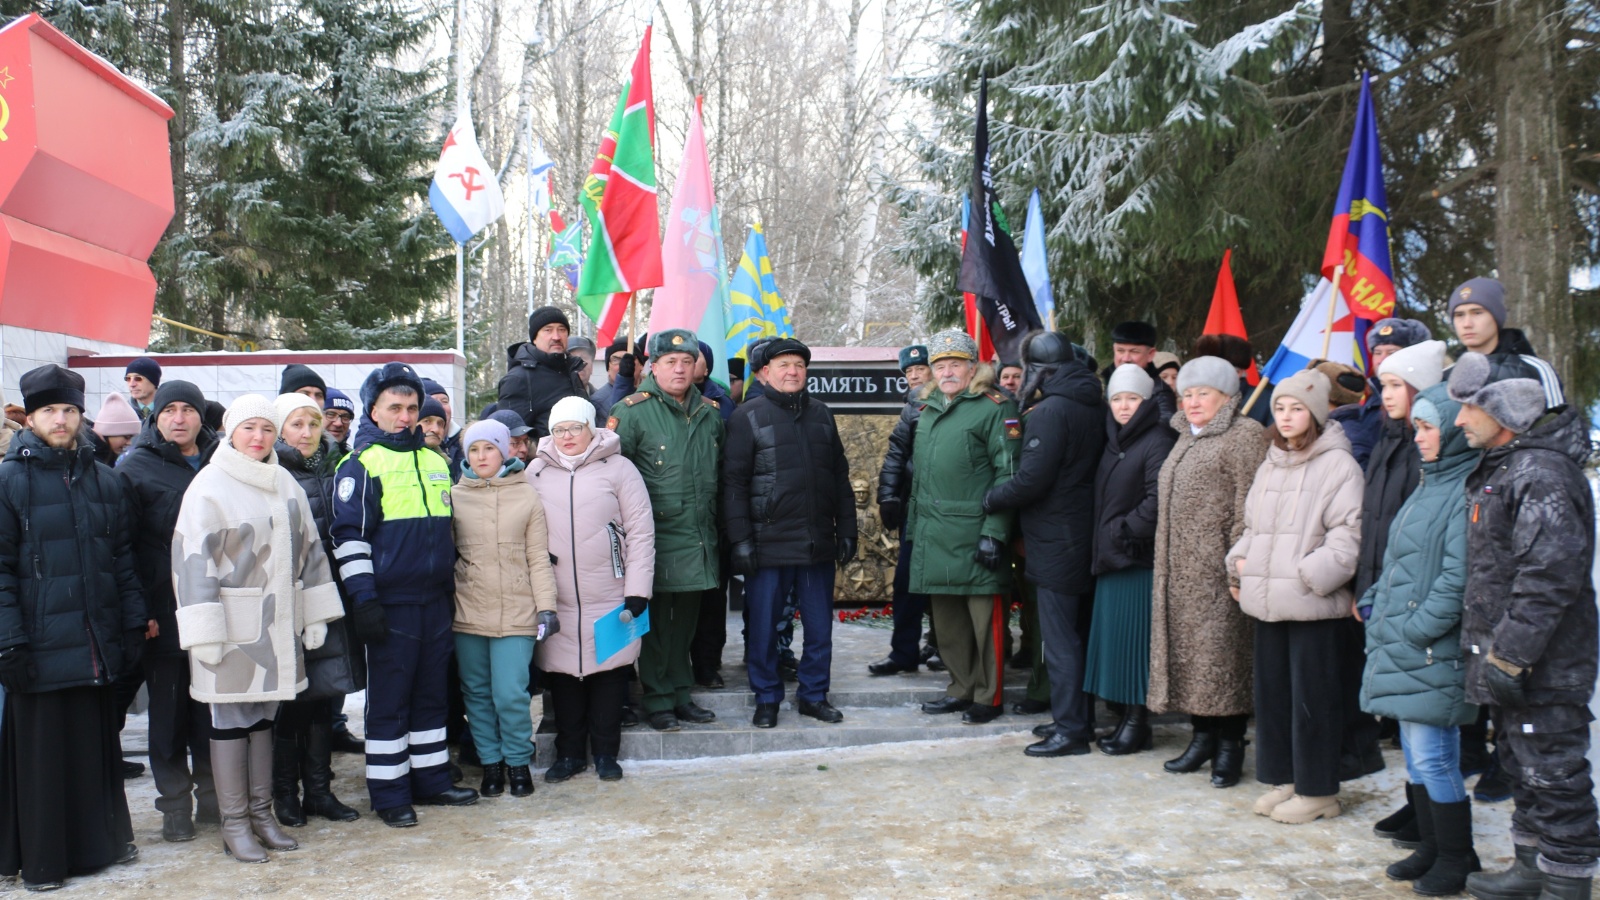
(1528,622)
(894,491)
(791,516)
(1063,436)
(540,371)
(172,446)
(71,619)
(1135,343)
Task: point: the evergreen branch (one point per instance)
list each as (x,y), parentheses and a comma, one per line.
(1465,178)
(1416,63)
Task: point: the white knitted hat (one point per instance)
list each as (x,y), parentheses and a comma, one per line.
(1130,379)
(1419,365)
(286,404)
(250,406)
(572,409)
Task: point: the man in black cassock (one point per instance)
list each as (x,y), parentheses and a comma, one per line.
(71,619)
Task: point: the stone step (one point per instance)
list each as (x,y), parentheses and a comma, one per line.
(733,735)
(892,693)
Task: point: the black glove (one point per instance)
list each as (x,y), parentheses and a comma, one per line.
(987,504)
(132,649)
(891,513)
(988,554)
(551,623)
(847,549)
(744,557)
(1506,689)
(636,605)
(371,625)
(625,368)
(17,670)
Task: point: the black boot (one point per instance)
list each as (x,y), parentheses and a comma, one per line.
(316,771)
(494,779)
(521,780)
(1565,887)
(1452,835)
(1116,733)
(1132,735)
(1400,826)
(1520,882)
(1228,764)
(286,780)
(1421,859)
(1202,747)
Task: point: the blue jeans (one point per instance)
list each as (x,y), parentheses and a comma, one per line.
(764,596)
(1433,760)
(494,686)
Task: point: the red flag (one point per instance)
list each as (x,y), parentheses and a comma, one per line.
(972,317)
(1224,317)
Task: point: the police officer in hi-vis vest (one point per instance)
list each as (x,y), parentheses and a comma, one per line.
(392,541)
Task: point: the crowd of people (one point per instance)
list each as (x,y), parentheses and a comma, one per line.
(1319,555)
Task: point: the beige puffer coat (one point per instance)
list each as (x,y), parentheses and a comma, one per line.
(503,576)
(1302,532)
(1201,646)
(599,505)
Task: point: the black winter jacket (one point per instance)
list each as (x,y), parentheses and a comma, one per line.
(1161,395)
(68,591)
(894,479)
(1125,495)
(1530,558)
(156,475)
(315,477)
(1391,473)
(535,382)
(785,480)
(1363,423)
(1053,490)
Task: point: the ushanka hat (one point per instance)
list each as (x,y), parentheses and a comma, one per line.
(1516,403)
(1397,332)
(952,344)
(673,340)
(1141,333)
(914,355)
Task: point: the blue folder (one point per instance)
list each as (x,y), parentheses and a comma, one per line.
(611,634)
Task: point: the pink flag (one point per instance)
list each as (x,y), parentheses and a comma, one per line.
(689,251)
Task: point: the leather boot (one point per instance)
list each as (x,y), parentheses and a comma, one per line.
(1227,765)
(1452,835)
(494,779)
(260,770)
(316,770)
(286,751)
(1132,736)
(1202,747)
(1565,887)
(1520,882)
(1115,733)
(1422,859)
(230,769)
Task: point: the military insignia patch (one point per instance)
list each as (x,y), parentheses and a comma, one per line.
(611,423)
(677,339)
(347,488)
(1013,429)
(1466,292)
(1386,330)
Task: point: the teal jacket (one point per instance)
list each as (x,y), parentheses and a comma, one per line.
(1415,669)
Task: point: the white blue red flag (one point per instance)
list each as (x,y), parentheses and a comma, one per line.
(465,193)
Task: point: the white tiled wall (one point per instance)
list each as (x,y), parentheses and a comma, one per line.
(23,349)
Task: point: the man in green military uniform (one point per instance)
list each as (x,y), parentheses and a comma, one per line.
(673,435)
(966,443)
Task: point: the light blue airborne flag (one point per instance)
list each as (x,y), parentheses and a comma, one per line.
(1034,266)
(755,302)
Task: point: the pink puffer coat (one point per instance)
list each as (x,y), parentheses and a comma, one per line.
(583,506)
(1302,532)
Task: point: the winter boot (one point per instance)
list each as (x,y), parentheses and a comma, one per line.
(1303,810)
(1452,834)
(1400,826)
(316,771)
(520,780)
(494,779)
(1132,735)
(1202,747)
(1520,882)
(260,771)
(286,750)
(1228,764)
(1270,801)
(1423,858)
(1565,887)
(230,768)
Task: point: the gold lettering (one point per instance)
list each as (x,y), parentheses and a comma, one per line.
(1361,290)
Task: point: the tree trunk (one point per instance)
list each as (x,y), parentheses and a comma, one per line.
(178,129)
(1533,211)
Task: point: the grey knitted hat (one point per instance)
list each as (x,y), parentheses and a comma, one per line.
(1130,379)
(1209,371)
(1516,403)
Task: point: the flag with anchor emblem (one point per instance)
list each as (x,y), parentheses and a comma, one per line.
(465,193)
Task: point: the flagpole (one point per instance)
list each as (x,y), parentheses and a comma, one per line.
(1333,303)
(461,249)
(533,218)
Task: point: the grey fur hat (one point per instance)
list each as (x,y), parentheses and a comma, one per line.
(1209,371)
(1516,403)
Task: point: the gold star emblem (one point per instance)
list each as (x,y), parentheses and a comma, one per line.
(5,76)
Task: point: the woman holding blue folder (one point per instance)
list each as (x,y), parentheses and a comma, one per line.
(602,542)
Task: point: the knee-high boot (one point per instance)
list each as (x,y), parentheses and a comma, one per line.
(317,773)
(287,749)
(260,769)
(230,769)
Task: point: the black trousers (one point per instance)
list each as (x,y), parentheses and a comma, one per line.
(905,642)
(1360,728)
(1063,653)
(588,712)
(1554,797)
(1299,706)
(180,731)
(710,631)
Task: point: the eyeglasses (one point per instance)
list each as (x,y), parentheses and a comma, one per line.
(568,430)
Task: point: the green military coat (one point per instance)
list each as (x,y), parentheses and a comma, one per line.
(678,449)
(964,446)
